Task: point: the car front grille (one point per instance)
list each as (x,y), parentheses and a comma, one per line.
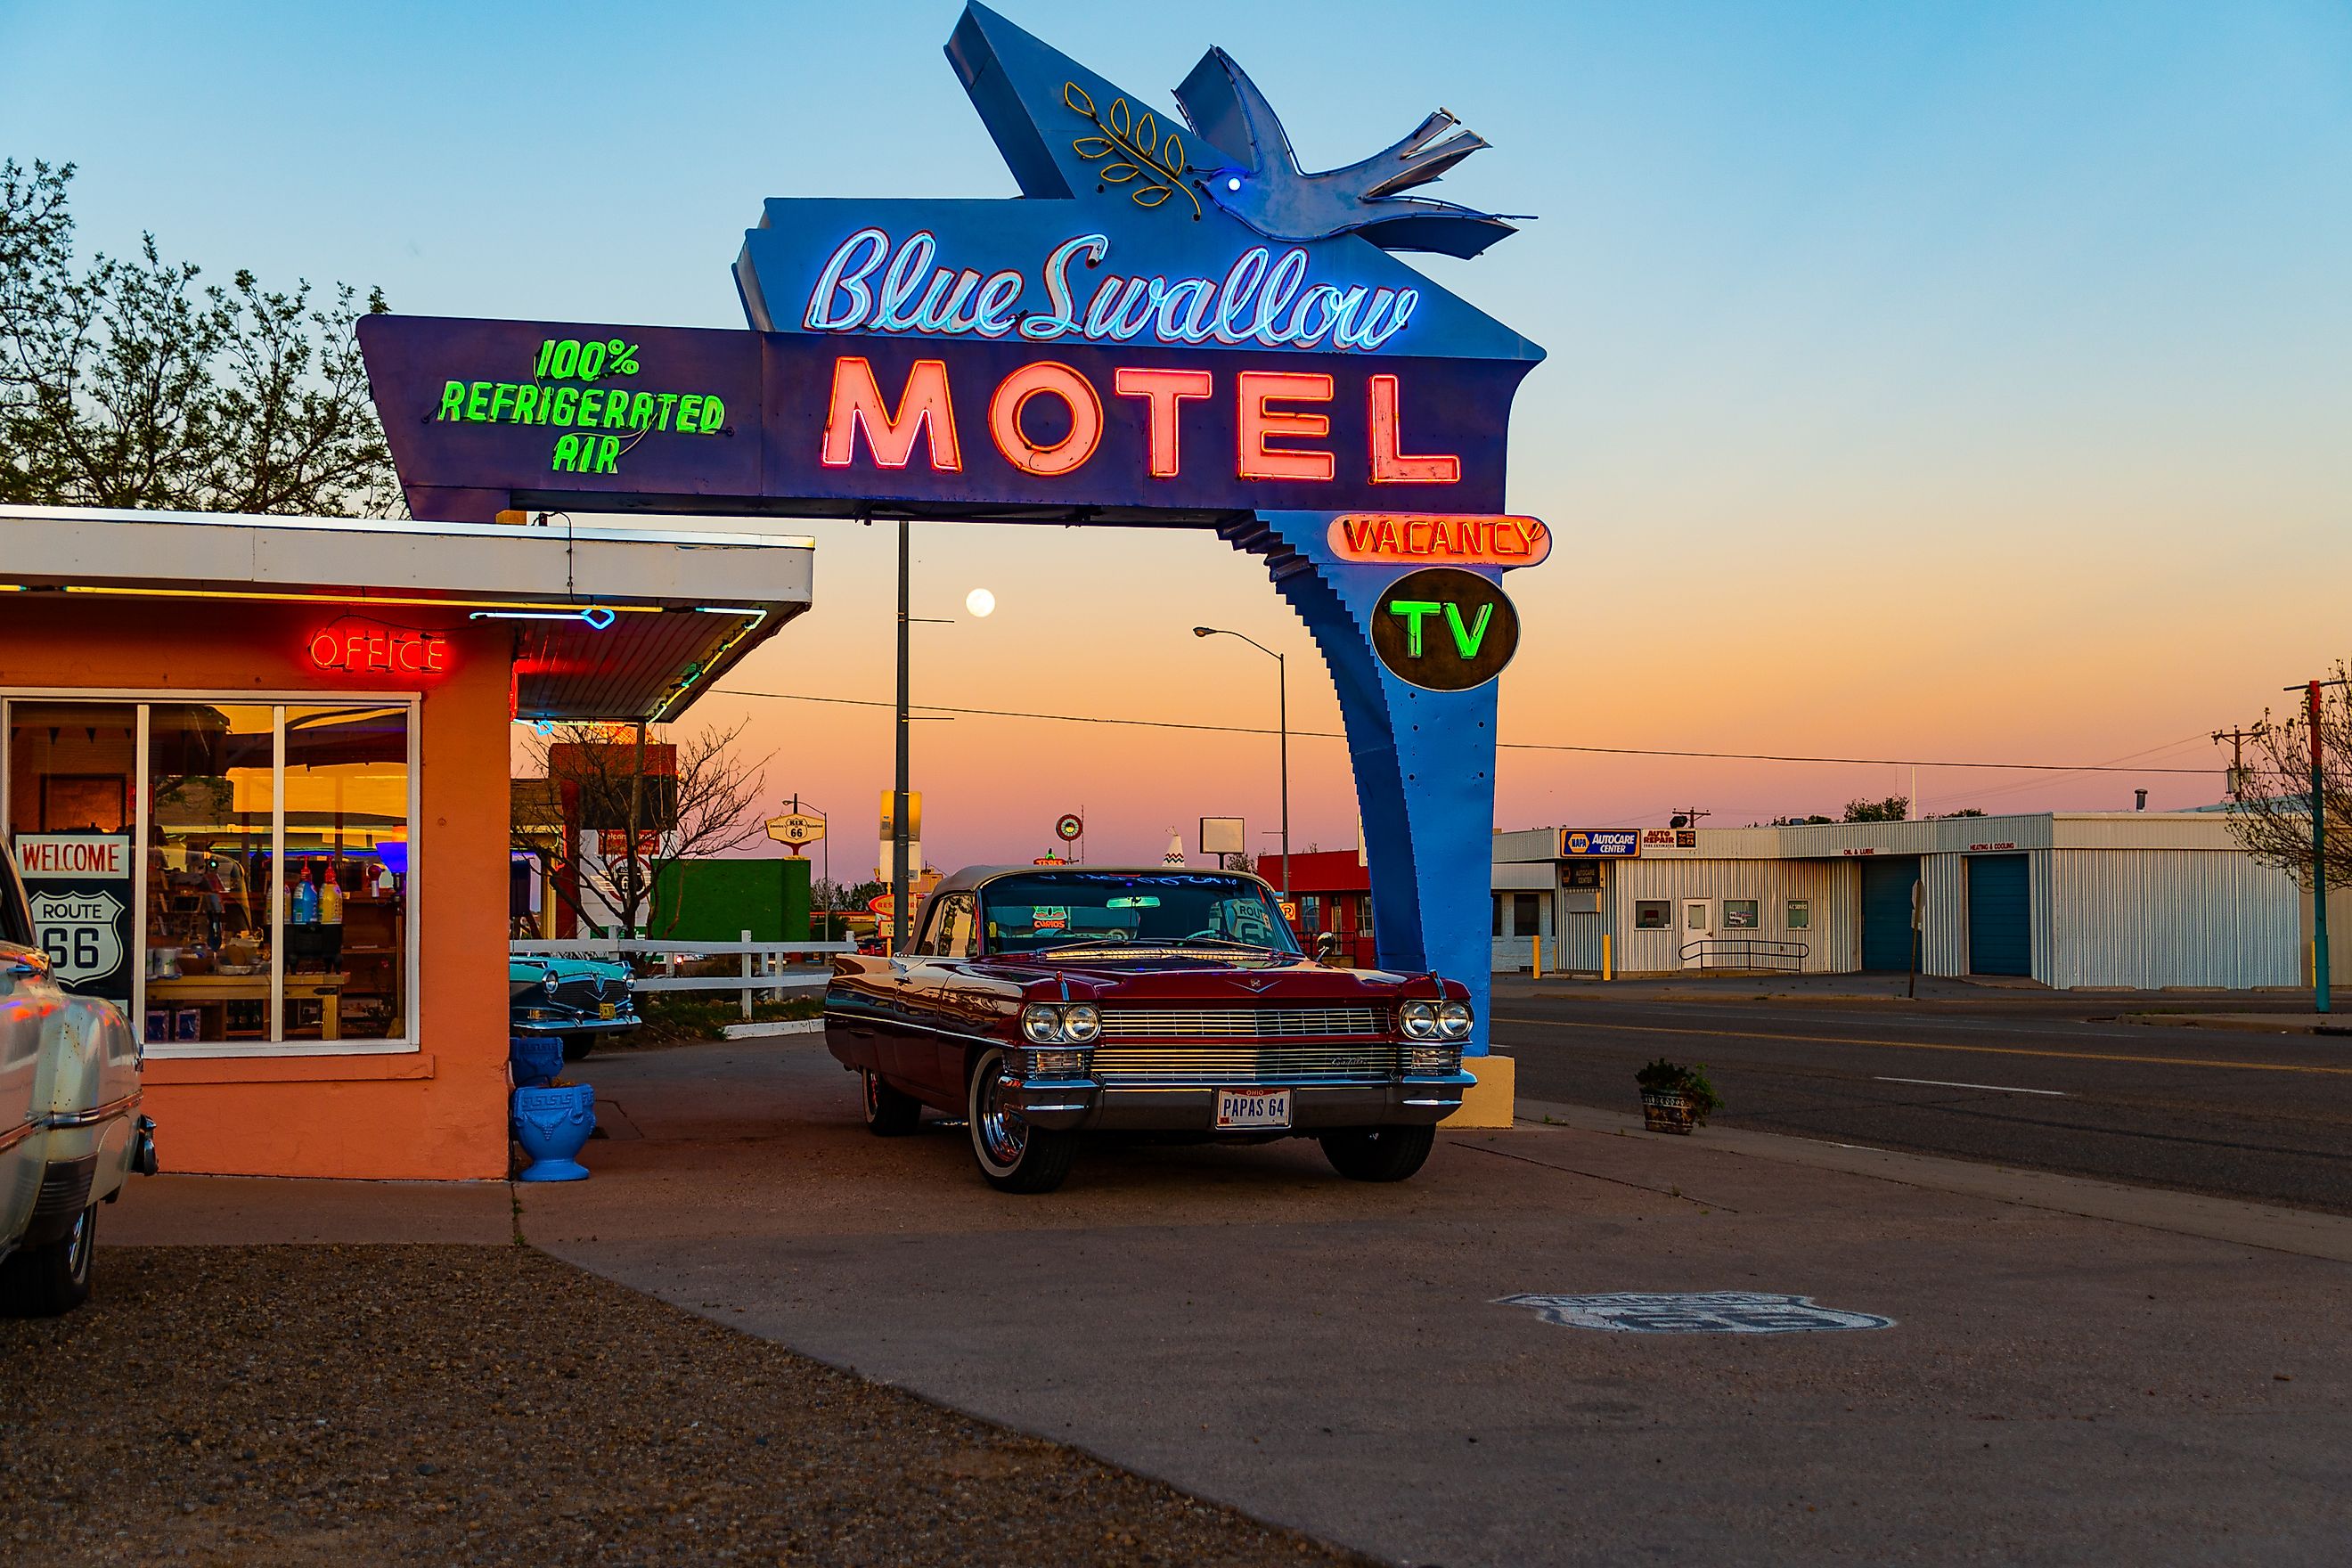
(586,995)
(1215,1066)
(1242,1023)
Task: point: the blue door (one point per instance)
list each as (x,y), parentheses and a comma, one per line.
(1886,913)
(2001,915)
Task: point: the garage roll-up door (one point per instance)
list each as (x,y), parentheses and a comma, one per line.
(1886,913)
(2001,915)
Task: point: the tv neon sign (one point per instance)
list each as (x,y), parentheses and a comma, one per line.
(369,649)
(1265,412)
(1260,300)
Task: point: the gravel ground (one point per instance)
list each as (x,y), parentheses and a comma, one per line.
(463,1405)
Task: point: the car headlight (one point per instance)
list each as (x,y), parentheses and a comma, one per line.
(1420,1020)
(1080,1024)
(1453,1020)
(1041,1023)
(547,982)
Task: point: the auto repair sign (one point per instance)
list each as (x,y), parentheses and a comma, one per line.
(78,885)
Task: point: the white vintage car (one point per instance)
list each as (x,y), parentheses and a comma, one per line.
(70,1129)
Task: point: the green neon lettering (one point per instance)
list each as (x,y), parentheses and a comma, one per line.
(1467,642)
(546,353)
(1411,611)
(689,411)
(667,400)
(453,400)
(641,410)
(501,400)
(608,451)
(527,401)
(616,408)
(566,361)
(567,404)
(592,406)
(714,414)
(592,360)
(477,402)
(567,454)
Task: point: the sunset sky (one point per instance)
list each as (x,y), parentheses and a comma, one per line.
(1950,382)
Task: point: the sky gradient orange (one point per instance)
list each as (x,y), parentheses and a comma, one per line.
(1957,382)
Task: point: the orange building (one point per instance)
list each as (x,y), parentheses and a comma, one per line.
(256,771)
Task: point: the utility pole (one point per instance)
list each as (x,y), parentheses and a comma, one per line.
(2319,980)
(2237,739)
(1690,815)
(637,810)
(899,890)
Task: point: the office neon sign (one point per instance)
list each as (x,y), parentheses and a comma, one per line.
(364,647)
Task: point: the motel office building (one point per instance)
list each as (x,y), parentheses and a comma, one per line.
(2140,900)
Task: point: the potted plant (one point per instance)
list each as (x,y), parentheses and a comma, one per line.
(1675,1097)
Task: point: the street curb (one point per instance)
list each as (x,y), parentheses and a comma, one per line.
(777,1026)
(2296,1231)
(2246,1022)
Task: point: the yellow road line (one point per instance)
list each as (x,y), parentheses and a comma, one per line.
(1930,1046)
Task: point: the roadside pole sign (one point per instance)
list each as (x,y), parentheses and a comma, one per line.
(1070,828)
(796,830)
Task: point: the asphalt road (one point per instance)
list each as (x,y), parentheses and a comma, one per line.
(2033,1082)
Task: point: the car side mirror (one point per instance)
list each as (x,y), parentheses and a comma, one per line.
(1327,947)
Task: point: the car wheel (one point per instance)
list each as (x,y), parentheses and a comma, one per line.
(1379,1154)
(577,1046)
(1014,1156)
(889,1112)
(43,1281)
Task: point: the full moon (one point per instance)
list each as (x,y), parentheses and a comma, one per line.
(980,601)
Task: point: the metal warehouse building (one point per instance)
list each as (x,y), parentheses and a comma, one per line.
(2069,899)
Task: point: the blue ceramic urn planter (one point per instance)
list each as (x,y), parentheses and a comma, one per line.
(551,1124)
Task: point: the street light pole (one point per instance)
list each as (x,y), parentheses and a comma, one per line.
(898,825)
(1282,710)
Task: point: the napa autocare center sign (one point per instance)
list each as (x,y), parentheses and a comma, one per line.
(78,885)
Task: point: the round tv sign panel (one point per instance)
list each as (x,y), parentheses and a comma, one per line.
(1445,629)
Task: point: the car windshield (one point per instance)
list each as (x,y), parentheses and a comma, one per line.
(1030,913)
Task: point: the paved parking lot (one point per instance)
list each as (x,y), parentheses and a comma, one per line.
(1327,1355)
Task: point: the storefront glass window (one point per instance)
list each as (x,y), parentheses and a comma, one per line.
(233,875)
(1653,914)
(346,898)
(210,804)
(1739,914)
(1801,914)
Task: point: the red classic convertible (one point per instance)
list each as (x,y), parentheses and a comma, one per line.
(1043,1007)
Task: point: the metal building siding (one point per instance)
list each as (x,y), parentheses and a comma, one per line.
(2164,917)
(2000,914)
(1526,843)
(1831,887)
(1944,936)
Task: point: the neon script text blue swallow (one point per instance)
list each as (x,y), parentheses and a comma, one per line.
(870,285)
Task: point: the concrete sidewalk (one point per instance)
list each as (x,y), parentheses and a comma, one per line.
(2075,1371)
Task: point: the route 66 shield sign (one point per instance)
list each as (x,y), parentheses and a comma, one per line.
(82,934)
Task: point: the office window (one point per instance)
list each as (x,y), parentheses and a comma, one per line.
(1653,914)
(1739,914)
(1801,914)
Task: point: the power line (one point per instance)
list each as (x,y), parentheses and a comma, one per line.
(1504,745)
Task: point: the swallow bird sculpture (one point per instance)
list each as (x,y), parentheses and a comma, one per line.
(1270,193)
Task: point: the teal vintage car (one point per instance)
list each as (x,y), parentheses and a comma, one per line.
(580,1000)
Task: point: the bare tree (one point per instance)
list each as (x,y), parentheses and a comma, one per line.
(131,385)
(2269,798)
(706,803)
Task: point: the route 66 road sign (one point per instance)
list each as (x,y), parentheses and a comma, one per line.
(81,932)
(796,828)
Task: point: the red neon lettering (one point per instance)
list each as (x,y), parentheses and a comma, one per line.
(1257,389)
(1164,390)
(322,650)
(924,407)
(1392,466)
(1053,380)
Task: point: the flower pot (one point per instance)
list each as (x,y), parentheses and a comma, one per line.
(1666,1111)
(551,1124)
(536,1059)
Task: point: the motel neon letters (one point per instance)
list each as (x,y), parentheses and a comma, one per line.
(1272,411)
(360,647)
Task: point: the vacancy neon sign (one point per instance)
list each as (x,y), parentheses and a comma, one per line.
(1274,413)
(1428,538)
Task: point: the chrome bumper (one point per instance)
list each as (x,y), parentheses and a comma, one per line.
(574,1027)
(1084,1105)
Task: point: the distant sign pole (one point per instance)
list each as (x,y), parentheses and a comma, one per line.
(795,830)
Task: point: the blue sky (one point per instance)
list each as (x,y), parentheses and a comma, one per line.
(1927,379)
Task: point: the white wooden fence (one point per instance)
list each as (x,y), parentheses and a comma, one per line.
(773,967)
